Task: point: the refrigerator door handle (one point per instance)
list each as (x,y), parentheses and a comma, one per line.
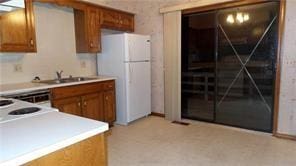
(130,73)
(129,52)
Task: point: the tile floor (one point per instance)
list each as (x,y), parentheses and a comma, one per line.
(153,141)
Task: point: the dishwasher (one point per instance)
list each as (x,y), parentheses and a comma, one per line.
(39,97)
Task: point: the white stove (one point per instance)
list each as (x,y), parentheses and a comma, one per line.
(12,109)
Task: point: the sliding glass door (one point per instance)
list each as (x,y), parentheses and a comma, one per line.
(198,66)
(228,65)
(247,42)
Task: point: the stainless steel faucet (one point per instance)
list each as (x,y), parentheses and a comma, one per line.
(59,74)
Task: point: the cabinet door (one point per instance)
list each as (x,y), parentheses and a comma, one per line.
(127,22)
(87,29)
(117,20)
(17,30)
(109,19)
(109,106)
(94,34)
(93,106)
(71,105)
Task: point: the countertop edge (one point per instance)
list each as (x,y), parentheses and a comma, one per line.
(46,86)
(52,148)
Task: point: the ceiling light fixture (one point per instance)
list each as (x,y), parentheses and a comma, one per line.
(230,19)
(246,17)
(239,18)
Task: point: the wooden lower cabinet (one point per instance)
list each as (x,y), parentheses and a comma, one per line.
(89,152)
(93,106)
(71,105)
(109,104)
(94,100)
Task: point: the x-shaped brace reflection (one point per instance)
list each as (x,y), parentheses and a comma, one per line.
(244,64)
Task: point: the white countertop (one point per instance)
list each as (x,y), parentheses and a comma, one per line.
(7,89)
(26,139)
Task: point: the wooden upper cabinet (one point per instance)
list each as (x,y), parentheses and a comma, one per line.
(93,106)
(109,19)
(87,30)
(94,29)
(17,30)
(117,20)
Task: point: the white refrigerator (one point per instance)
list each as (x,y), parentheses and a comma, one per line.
(127,57)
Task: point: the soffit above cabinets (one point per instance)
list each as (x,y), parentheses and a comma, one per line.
(10,5)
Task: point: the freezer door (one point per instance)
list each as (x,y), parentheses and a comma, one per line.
(138,90)
(137,48)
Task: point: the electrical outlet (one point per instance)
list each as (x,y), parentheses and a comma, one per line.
(18,68)
(83,64)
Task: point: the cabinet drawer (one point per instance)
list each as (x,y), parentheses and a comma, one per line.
(117,20)
(126,22)
(110,85)
(76,90)
(109,19)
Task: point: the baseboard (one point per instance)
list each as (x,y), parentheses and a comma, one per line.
(157,114)
(285,136)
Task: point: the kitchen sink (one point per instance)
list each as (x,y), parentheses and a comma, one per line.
(66,80)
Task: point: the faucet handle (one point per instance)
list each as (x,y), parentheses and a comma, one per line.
(59,74)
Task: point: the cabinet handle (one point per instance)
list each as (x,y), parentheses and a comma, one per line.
(32,42)
(91,44)
(79,104)
(107,98)
(84,103)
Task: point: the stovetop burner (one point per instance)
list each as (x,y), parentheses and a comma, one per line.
(23,111)
(5,102)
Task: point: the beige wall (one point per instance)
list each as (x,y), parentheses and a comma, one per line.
(55,46)
(287,114)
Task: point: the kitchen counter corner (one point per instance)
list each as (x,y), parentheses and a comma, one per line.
(29,138)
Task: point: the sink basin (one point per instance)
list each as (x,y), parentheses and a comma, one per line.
(66,80)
